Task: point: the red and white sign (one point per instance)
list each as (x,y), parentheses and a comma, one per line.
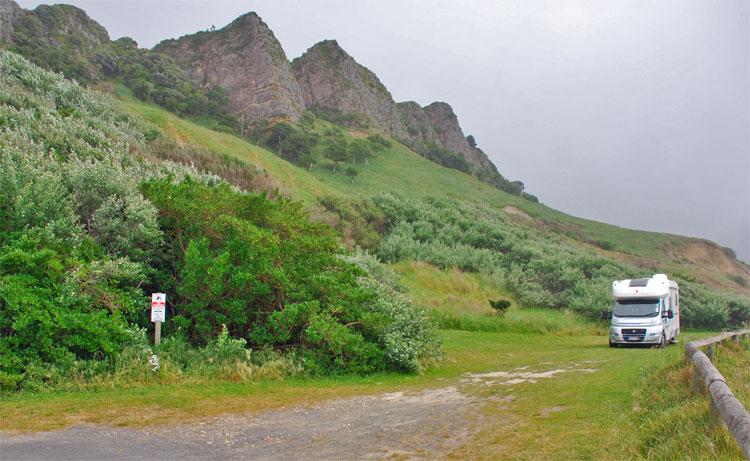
(158,307)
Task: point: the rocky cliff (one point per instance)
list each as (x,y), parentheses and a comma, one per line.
(247,62)
(9,12)
(438,124)
(335,85)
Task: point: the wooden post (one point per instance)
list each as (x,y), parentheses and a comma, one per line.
(157,333)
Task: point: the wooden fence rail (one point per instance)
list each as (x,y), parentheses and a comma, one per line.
(723,402)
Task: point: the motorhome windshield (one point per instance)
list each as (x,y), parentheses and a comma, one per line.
(636,308)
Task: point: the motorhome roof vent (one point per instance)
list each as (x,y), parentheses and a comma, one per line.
(639,282)
(660,277)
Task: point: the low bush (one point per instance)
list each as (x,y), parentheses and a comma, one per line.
(500,305)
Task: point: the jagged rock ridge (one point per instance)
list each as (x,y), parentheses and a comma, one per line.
(333,83)
(336,86)
(247,61)
(437,123)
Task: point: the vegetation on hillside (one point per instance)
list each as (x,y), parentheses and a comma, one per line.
(538,269)
(64,39)
(89,227)
(311,143)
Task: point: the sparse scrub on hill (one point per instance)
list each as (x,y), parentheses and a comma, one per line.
(360,222)
(243,175)
(83,51)
(446,157)
(537,269)
(89,226)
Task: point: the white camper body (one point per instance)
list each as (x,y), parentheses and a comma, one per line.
(645,311)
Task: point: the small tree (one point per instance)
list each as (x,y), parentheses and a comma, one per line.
(352,172)
(500,305)
(335,149)
(360,148)
(472,142)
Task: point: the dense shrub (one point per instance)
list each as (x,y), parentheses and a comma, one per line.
(270,275)
(288,141)
(409,339)
(359,221)
(500,305)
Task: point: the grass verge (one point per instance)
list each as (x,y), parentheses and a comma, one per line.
(674,422)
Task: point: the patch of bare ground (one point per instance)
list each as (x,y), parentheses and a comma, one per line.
(517,212)
(398,425)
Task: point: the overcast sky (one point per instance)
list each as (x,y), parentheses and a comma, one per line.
(631,112)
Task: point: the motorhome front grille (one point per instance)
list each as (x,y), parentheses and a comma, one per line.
(633,334)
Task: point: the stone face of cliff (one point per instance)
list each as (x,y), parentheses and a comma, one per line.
(9,12)
(335,86)
(438,124)
(247,61)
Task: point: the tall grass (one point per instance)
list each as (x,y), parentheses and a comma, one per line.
(521,320)
(460,301)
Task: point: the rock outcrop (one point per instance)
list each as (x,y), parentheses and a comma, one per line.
(247,61)
(438,124)
(335,85)
(9,12)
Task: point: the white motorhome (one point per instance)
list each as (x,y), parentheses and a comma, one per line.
(645,311)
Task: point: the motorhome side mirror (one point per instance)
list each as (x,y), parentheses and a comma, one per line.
(670,314)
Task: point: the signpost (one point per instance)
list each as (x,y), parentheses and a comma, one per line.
(158,313)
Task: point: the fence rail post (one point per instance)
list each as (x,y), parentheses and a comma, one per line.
(724,407)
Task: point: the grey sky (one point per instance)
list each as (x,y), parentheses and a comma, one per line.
(632,112)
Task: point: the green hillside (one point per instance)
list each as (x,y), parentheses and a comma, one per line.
(105,200)
(400,170)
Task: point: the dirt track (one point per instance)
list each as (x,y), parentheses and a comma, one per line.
(406,425)
(426,424)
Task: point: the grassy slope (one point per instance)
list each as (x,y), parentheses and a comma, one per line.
(399,169)
(460,300)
